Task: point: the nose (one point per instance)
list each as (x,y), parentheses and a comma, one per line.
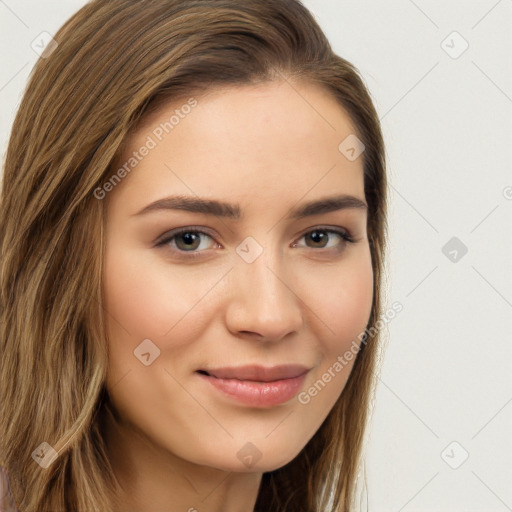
(262,303)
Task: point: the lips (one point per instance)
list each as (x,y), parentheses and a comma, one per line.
(256,386)
(257,373)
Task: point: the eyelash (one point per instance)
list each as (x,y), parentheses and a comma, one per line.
(194,230)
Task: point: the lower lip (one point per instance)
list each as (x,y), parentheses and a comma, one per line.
(258,394)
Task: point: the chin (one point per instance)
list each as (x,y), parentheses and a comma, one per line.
(250,459)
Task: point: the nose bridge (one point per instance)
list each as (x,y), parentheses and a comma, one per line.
(263,301)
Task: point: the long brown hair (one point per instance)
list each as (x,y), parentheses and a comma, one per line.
(116,60)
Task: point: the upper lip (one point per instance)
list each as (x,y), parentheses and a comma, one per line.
(258,373)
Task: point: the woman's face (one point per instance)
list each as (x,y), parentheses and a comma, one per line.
(265,280)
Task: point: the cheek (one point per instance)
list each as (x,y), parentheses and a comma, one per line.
(351,304)
(147,298)
(344,306)
(342,300)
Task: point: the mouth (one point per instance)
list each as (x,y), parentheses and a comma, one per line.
(257,386)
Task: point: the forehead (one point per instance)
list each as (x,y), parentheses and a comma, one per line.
(269,138)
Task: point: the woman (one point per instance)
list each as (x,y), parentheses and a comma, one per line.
(193,221)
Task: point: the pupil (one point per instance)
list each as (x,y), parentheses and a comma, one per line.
(317,236)
(189,238)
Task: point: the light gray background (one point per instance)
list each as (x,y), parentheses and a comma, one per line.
(446,374)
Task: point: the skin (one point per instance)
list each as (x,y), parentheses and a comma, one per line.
(270,148)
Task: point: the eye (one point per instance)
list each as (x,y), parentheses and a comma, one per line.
(321,237)
(185,240)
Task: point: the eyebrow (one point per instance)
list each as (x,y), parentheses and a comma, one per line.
(234,212)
